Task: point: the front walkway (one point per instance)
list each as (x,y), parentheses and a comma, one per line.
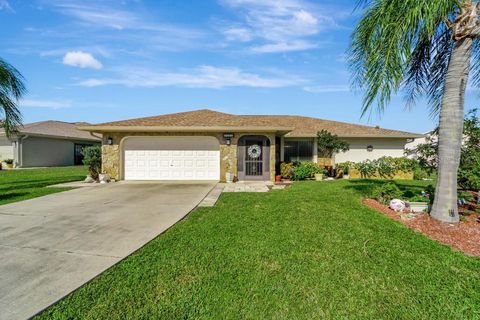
(51,245)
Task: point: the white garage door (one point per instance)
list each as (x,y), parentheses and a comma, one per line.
(171,158)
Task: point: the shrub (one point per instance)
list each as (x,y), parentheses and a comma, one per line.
(469,176)
(420,173)
(92,157)
(386,192)
(418,198)
(8,161)
(286,170)
(366,168)
(344,167)
(404,164)
(467,196)
(306,170)
(385,167)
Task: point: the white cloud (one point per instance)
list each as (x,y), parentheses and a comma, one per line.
(305,17)
(201,77)
(49,104)
(93,13)
(238,34)
(297,45)
(81,59)
(4,5)
(327,88)
(282,25)
(120,25)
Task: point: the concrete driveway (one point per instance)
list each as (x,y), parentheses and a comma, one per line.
(51,245)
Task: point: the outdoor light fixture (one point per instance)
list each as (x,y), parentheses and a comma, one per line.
(109,141)
(228,138)
(370,148)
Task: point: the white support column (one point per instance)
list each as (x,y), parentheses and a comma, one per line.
(315,150)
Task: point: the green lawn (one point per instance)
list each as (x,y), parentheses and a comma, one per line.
(21,184)
(311,251)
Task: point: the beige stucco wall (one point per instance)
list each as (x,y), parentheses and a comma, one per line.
(381,147)
(6,149)
(112,155)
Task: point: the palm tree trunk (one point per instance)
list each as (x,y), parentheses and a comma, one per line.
(445,207)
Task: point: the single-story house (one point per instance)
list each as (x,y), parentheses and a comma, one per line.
(208,145)
(47,144)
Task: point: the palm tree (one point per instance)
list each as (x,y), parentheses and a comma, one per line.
(11,90)
(423,48)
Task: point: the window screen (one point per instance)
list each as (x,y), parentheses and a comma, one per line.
(298,150)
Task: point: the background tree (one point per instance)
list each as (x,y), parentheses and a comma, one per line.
(11,90)
(425,48)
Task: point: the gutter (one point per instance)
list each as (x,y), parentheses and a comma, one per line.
(93,135)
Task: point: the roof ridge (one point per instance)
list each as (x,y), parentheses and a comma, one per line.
(166,115)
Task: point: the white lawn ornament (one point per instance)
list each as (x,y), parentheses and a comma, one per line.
(397,205)
(104,178)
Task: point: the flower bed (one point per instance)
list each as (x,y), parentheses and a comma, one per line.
(464,236)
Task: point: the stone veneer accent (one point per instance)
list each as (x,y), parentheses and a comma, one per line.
(112,154)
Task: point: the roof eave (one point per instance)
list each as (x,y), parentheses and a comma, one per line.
(29,134)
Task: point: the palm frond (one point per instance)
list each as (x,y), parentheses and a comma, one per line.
(392,46)
(12,89)
(475,64)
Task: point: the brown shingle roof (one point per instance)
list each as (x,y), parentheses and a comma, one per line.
(54,128)
(296,126)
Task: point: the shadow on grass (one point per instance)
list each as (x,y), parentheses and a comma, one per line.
(13,195)
(410,188)
(27,184)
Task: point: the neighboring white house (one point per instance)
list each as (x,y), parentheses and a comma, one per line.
(47,144)
(412,145)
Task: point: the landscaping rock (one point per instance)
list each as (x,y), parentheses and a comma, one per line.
(89,179)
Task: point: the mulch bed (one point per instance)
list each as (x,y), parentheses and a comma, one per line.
(464,236)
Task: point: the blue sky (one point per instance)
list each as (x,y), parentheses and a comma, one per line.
(106,60)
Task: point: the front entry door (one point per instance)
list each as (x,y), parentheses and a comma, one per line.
(254,158)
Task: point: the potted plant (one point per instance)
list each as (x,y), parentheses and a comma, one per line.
(319,176)
(286,170)
(418,204)
(9,163)
(278,178)
(343,169)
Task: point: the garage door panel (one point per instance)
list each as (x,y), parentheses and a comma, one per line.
(198,160)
